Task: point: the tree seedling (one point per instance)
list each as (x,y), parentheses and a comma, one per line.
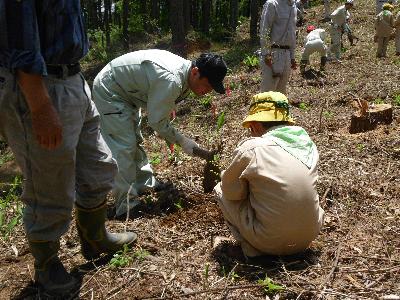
(360,147)
(206,275)
(328,114)
(220,120)
(251,61)
(396,100)
(206,101)
(121,258)
(141,254)
(10,203)
(6,158)
(303,106)
(155,160)
(178,204)
(378,101)
(268,286)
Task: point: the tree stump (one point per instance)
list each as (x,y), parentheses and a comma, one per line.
(368,120)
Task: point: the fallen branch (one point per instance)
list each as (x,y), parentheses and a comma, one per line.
(214,290)
(333,269)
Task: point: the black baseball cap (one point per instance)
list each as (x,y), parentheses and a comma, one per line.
(214,68)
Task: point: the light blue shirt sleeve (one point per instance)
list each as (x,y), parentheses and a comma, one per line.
(160,103)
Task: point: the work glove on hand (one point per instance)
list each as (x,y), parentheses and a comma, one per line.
(186,144)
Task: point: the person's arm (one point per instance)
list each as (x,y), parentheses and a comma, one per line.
(45,121)
(293,42)
(267,19)
(21,47)
(160,103)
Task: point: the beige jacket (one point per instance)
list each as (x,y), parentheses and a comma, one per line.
(384,23)
(269,198)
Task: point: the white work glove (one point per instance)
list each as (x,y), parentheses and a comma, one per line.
(186,144)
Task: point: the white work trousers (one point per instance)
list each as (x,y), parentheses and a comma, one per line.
(276,78)
(313,46)
(120,125)
(336,40)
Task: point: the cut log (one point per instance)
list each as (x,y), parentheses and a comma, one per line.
(374,115)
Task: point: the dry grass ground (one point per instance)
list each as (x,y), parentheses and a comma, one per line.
(356,255)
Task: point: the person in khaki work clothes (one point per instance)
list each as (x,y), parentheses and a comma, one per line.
(278,43)
(268,193)
(154,80)
(52,126)
(384,23)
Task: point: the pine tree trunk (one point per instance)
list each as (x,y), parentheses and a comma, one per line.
(205,16)
(234,8)
(107,21)
(187,8)
(125,23)
(254,20)
(195,14)
(178,27)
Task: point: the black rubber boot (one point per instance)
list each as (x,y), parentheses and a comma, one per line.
(50,273)
(95,239)
(324,59)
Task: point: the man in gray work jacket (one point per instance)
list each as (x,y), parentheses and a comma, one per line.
(154,80)
(278,43)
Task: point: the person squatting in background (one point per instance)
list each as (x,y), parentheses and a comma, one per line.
(278,43)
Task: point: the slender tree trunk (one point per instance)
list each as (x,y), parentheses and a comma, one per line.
(234,8)
(254,20)
(205,16)
(155,9)
(107,21)
(125,20)
(99,15)
(186,14)
(195,14)
(178,27)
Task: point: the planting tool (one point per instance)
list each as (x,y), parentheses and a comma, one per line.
(211,171)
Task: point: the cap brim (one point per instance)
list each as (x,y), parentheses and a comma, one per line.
(219,87)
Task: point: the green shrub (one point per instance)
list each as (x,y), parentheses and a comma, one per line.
(11,209)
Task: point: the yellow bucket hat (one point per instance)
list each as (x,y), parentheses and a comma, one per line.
(388,6)
(267,107)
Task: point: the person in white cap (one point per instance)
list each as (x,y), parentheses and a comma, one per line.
(314,42)
(268,193)
(384,23)
(278,43)
(338,25)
